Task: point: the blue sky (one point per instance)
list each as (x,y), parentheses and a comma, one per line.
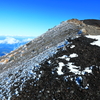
(35,17)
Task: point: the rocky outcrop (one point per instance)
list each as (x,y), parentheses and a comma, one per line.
(90,26)
(93,22)
(75,21)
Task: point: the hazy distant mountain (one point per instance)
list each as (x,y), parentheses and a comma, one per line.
(62,64)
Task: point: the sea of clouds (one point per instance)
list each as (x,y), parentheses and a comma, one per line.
(13,40)
(10,43)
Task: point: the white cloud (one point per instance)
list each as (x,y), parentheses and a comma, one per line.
(27,40)
(9,40)
(14,40)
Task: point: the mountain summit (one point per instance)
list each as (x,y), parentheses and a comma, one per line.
(61,64)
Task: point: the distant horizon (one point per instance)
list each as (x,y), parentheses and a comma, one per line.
(18,35)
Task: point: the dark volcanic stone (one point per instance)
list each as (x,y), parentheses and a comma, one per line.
(93,22)
(52,86)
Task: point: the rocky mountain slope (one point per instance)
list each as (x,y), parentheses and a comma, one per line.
(92,22)
(58,65)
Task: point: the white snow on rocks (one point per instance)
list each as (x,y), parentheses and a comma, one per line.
(75,69)
(95,37)
(73,55)
(63,57)
(72,46)
(49,62)
(60,68)
(67,59)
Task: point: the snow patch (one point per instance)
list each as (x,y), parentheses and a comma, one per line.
(75,69)
(60,68)
(88,69)
(67,59)
(63,57)
(95,37)
(49,62)
(72,46)
(73,55)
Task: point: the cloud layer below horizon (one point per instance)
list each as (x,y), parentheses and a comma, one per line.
(13,40)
